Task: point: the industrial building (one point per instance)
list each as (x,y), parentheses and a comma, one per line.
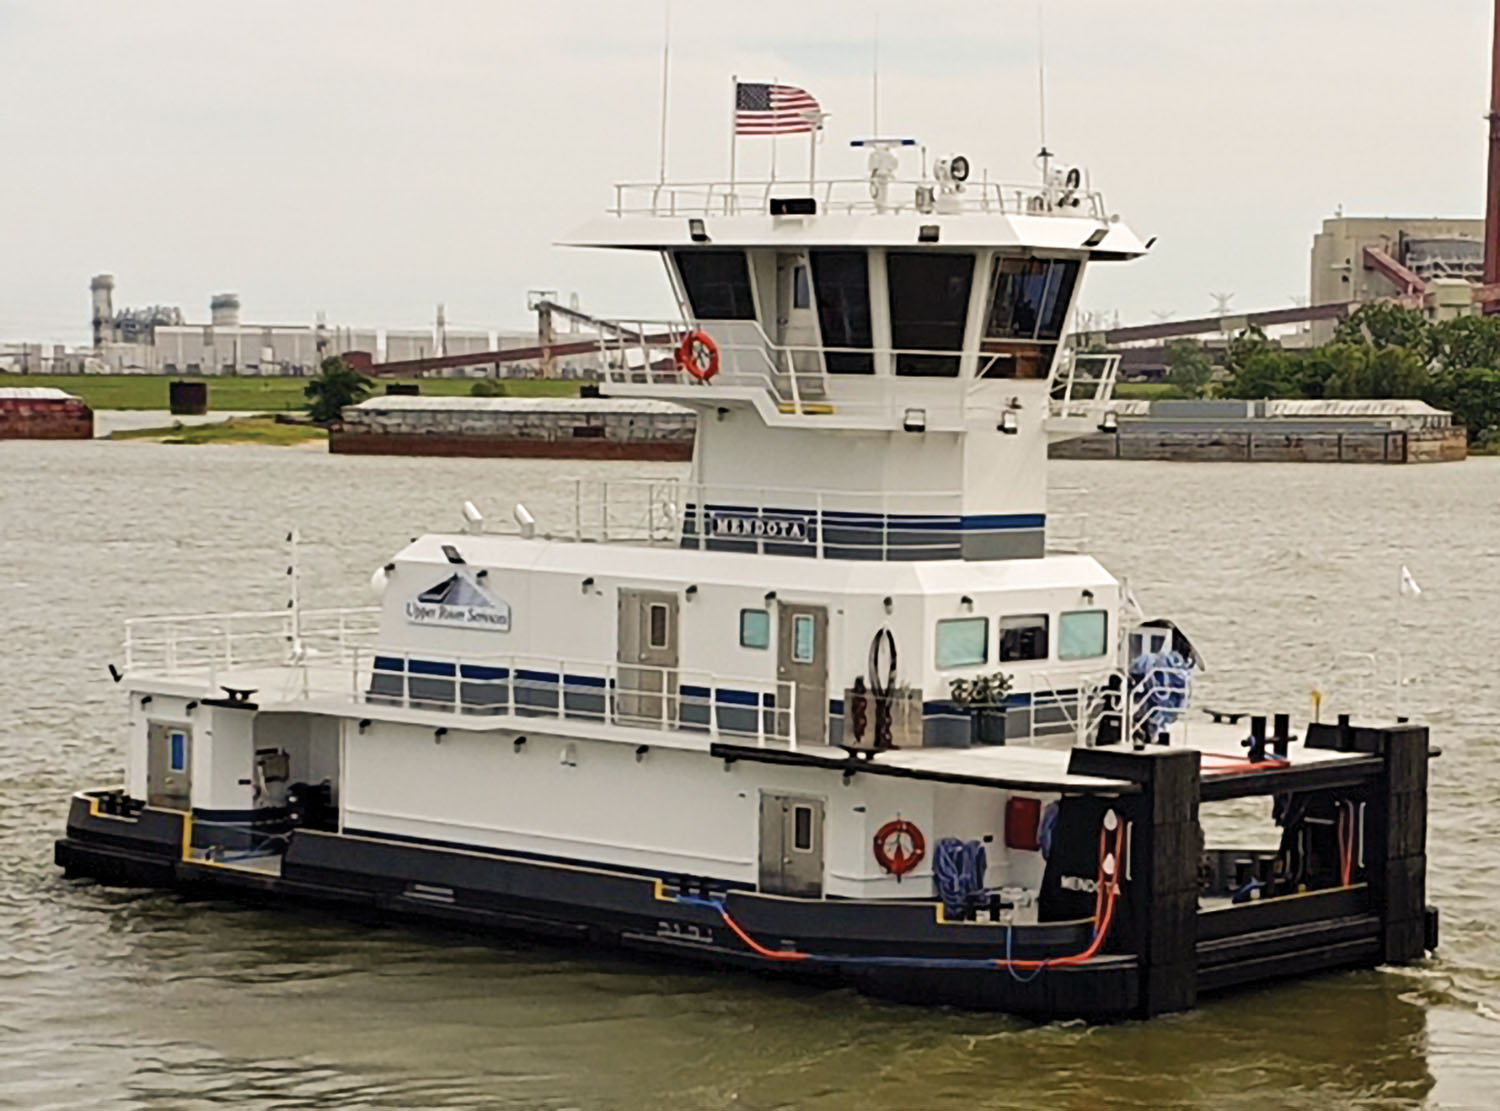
(1431,263)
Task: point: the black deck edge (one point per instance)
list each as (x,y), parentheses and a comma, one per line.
(854,766)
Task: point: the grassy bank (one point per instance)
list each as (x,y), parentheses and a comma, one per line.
(259,395)
(243,430)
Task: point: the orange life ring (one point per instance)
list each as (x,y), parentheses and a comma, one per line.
(698,354)
(899,846)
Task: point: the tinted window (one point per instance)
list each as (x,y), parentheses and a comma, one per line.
(755,629)
(1023,638)
(804,639)
(1029,298)
(717,284)
(929,305)
(802,829)
(1081,635)
(842,282)
(963,642)
(658,627)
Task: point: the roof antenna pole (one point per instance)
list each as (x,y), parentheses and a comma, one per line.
(1041,98)
(666,59)
(875,75)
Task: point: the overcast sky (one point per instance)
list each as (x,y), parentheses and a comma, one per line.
(370,158)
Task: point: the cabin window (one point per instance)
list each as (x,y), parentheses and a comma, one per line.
(717,284)
(804,638)
(755,629)
(656,626)
(842,281)
(929,306)
(177,755)
(802,829)
(1029,298)
(1023,638)
(1082,635)
(963,642)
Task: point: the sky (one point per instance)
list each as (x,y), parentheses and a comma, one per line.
(371,158)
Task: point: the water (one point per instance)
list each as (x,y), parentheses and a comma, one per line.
(125,999)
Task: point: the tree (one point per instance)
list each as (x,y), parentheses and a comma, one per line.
(1265,373)
(1188,368)
(1467,341)
(1384,324)
(338,385)
(1472,395)
(487,387)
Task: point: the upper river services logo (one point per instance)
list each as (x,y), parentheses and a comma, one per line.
(459,604)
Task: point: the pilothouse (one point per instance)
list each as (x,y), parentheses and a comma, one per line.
(842,702)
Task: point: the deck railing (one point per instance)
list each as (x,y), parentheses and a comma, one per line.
(223,641)
(853,195)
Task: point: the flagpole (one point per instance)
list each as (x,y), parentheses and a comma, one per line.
(812,158)
(775,137)
(734,135)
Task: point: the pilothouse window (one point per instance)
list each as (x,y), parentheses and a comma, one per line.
(1081,635)
(842,282)
(929,306)
(1029,301)
(717,284)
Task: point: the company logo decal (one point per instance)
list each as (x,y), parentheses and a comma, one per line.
(459,603)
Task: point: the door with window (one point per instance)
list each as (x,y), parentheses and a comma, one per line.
(169,759)
(791,845)
(646,689)
(802,668)
(797,323)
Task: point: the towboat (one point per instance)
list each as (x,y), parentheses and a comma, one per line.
(843,703)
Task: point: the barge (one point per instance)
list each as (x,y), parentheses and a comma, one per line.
(833,707)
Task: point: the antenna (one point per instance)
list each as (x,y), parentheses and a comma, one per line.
(1041,90)
(666,58)
(875,74)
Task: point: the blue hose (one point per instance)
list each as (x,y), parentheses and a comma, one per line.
(958,869)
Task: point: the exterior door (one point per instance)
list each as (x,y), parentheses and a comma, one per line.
(646,690)
(169,760)
(797,322)
(791,845)
(802,666)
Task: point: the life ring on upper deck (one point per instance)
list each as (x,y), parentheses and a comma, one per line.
(899,846)
(698,354)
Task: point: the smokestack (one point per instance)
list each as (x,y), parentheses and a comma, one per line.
(225,310)
(102,291)
(1492,205)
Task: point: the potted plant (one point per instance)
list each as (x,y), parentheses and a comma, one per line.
(983,697)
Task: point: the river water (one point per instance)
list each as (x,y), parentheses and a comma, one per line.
(129,999)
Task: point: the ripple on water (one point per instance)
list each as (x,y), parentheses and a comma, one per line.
(112,999)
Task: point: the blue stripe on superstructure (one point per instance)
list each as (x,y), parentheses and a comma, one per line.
(430,667)
(389,663)
(479,671)
(857,518)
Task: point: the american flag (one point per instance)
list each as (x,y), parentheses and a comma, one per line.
(761,109)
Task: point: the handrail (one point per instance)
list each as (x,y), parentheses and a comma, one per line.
(853,194)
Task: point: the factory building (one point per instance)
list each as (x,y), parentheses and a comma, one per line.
(1433,262)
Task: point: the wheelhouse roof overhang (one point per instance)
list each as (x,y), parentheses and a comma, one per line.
(675,568)
(1067,234)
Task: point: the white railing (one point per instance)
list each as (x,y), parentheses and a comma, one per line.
(854,195)
(793,376)
(224,641)
(528,686)
(820,523)
(1083,384)
(1071,706)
